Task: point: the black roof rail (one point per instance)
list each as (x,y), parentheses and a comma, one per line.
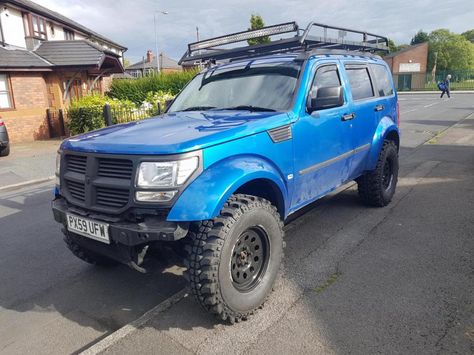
(210,50)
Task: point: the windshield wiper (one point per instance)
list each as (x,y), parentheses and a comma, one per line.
(198,108)
(248,108)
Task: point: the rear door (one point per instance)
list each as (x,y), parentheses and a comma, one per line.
(364,117)
(384,88)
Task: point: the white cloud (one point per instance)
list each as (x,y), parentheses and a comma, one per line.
(131,22)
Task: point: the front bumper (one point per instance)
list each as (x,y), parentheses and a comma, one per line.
(126,233)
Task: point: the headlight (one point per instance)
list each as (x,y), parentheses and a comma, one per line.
(58,167)
(166,174)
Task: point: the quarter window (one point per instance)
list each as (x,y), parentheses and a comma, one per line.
(384,84)
(361,85)
(5,92)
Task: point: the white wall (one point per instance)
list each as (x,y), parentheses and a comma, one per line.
(58,32)
(12,24)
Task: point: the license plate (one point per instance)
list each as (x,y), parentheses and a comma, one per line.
(88,228)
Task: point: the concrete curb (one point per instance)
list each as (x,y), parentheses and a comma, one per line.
(127,329)
(25,184)
(437,92)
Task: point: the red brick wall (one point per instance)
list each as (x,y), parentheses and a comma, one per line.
(27,121)
(416,54)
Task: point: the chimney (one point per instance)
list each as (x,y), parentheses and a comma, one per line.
(149,56)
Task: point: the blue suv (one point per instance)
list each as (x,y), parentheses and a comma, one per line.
(265,130)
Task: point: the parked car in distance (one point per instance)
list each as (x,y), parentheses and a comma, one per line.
(244,145)
(4,140)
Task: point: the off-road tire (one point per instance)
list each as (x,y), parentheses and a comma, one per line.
(5,151)
(87,255)
(212,254)
(371,186)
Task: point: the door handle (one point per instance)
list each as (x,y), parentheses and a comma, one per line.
(348,117)
(379,108)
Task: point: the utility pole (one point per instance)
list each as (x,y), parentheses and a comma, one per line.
(156,39)
(197,34)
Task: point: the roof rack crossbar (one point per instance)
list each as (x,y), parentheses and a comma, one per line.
(207,50)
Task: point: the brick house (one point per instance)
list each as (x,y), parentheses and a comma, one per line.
(408,66)
(148,65)
(46,60)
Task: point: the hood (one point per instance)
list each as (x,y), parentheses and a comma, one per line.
(175,133)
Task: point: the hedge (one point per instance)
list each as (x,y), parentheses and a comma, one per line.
(86,113)
(137,90)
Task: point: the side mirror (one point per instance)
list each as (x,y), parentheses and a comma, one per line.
(326,97)
(168,104)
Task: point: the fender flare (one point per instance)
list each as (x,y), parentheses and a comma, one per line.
(205,196)
(385,128)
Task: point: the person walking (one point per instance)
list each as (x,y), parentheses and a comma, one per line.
(446,86)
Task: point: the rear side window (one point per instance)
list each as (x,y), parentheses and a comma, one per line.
(359,80)
(382,79)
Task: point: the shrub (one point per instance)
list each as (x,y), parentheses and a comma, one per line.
(152,98)
(137,90)
(86,113)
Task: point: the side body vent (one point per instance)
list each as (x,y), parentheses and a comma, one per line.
(280,134)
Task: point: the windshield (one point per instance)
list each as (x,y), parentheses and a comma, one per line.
(263,87)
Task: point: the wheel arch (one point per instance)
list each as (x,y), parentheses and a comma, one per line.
(249,174)
(386,130)
(267,189)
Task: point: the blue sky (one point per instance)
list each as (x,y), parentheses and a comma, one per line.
(131,22)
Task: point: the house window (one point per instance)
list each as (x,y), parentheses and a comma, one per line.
(6,101)
(68,35)
(74,91)
(38,27)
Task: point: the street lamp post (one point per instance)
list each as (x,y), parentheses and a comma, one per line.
(156,38)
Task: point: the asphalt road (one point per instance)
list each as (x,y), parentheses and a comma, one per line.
(52,303)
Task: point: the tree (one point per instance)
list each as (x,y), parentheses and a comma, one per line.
(453,51)
(420,37)
(402,46)
(392,47)
(469,35)
(256,22)
(126,62)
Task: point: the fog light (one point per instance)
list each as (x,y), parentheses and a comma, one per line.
(155,196)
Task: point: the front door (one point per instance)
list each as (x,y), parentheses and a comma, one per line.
(322,143)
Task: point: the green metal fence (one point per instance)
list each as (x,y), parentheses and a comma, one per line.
(460,80)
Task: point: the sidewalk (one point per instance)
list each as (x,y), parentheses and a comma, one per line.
(356,279)
(437,92)
(28,162)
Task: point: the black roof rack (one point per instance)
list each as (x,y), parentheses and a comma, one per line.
(210,50)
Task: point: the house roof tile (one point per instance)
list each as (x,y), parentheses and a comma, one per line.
(72,53)
(21,58)
(166,63)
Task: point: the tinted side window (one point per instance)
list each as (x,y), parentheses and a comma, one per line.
(326,76)
(384,84)
(361,85)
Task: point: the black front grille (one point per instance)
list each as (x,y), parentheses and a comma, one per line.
(99,183)
(76,163)
(115,198)
(115,168)
(77,190)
